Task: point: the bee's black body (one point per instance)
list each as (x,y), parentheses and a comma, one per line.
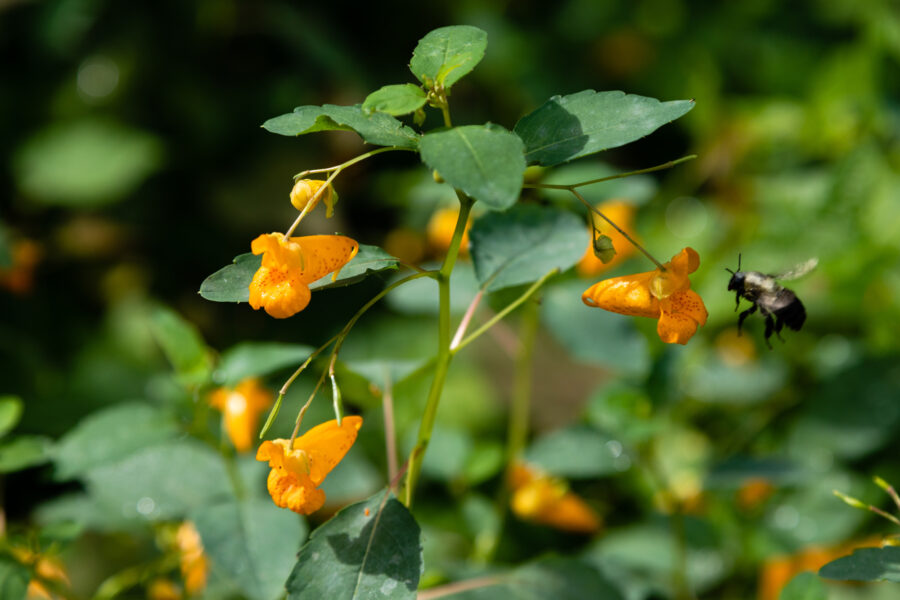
(779,305)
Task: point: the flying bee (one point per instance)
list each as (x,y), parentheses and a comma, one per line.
(779,305)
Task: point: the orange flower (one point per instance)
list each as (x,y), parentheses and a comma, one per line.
(281,285)
(297,473)
(664,295)
(305,189)
(543,499)
(163,589)
(622,214)
(49,568)
(193,562)
(241,408)
(440,231)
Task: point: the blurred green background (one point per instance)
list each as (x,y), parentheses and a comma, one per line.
(133,161)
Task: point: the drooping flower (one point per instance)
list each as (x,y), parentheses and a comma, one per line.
(543,499)
(440,231)
(622,214)
(281,285)
(305,190)
(664,295)
(241,408)
(192,560)
(297,472)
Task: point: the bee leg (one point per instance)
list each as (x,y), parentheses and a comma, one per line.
(737,301)
(778,325)
(770,325)
(744,315)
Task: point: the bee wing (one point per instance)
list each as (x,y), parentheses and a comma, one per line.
(799,270)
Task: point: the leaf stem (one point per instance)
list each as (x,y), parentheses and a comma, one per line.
(666,165)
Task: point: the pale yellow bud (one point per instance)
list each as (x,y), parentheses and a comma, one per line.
(305,191)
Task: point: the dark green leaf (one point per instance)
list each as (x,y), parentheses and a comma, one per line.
(579,451)
(6,258)
(256,359)
(395,100)
(805,586)
(23,451)
(446,55)
(161,482)
(569,127)
(14,579)
(232,283)
(109,435)
(86,163)
(10,413)
(367,550)
(554,577)
(254,543)
(484,161)
(376,128)
(865,564)
(182,345)
(524,243)
(736,471)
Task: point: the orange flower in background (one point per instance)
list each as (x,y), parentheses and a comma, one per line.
(192,561)
(297,473)
(241,408)
(163,589)
(539,498)
(621,213)
(19,276)
(305,189)
(49,568)
(440,231)
(664,295)
(281,285)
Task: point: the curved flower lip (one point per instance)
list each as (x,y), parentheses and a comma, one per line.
(657,294)
(298,471)
(281,285)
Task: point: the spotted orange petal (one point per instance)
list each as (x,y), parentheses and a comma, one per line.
(682,313)
(627,295)
(323,254)
(326,444)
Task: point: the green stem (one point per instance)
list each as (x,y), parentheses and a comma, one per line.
(667,165)
(442,362)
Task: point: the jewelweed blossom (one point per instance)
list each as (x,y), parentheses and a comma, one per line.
(192,560)
(622,214)
(297,472)
(241,408)
(543,499)
(281,285)
(664,295)
(305,189)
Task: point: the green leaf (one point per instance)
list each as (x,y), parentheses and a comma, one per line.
(375,128)
(446,55)
(24,451)
(369,259)
(86,163)
(161,482)
(553,577)
(10,413)
(254,543)
(232,283)
(805,586)
(579,451)
(182,345)
(484,161)
(5,248)
(366,550)
(395,100)
(14,579)
(109,435)
(420,296)
(569,127)
(256,359)
(865,564)
(524,243)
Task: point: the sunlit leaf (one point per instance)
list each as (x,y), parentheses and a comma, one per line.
(23,451)
(395,100)
(256,359)
(484,161)
(569,127)
(367,550)
(10,413)
(524,243)
(805,586)
(376,128)
(866,564)
(109,435)
(447,54)
(86,163)
(253,542)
